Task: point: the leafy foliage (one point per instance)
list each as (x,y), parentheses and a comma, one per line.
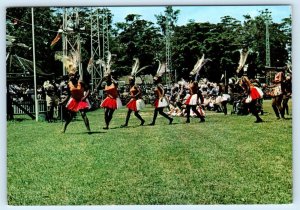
(138,38)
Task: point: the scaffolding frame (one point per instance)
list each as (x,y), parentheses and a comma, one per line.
(99,43)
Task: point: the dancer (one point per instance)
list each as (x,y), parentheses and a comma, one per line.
(192,101)
(254,94)
(112,100)
(287,93)
(278,94)
(132,105)
(136,102)
(77,101)
(77,92)
(160,101)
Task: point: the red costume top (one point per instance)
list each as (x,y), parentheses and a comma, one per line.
(112,101)
(111,91)
(77,91)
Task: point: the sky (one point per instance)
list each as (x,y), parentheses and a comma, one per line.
(210,14)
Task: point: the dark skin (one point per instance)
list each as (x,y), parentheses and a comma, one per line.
(159,110)
(108,113)
(70,114)
(136,113)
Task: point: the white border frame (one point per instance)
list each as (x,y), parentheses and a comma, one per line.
(296,64)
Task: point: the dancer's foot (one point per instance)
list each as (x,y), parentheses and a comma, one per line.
(123,126)
(105,128)
(202,120)
(151,124)
(142,122)
(170,121)
(259,120)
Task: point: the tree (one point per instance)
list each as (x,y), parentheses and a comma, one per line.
(137,39)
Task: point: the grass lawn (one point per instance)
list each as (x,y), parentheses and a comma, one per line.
(226,160)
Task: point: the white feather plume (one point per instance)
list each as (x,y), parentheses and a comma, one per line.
(198,66)
(70,62)
(136,67)
(162,67)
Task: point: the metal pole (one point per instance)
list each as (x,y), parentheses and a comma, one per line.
(34,69)
(267,15)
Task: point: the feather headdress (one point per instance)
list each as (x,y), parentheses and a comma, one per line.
(200,63)
(136,67)
(243,59)
(162,68)
(106,65)
(70,62)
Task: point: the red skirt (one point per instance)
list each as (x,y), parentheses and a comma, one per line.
(132,105)
(187,102)
(111,103)
(254,93)
(156,103)
(191,100)
(74,105)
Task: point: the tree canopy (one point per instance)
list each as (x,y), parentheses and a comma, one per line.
(138,38)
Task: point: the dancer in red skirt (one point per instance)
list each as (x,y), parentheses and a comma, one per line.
(132,105)
(112,100)
(160,101)
(192,101)
(77,101)
(254,94)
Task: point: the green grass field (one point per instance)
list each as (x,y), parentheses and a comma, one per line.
(226,160)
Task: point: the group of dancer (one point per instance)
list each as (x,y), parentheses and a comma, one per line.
(78,99)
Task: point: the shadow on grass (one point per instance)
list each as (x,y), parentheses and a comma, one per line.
(94,132)
(19,120)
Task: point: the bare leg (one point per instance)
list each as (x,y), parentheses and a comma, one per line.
(69,116)
(85,119)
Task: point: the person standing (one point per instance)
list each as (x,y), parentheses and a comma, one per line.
(51,99)
(133,104)
(287,93)
(160,101)
(277,95)
(253,95)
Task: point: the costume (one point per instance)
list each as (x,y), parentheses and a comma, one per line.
(160,100)
(193,98)
(77,93)
(112,100)
(192,101)
(159,104)
(133,103)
